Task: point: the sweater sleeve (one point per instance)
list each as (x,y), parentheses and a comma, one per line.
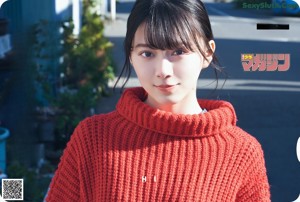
(255,186)
(65,185)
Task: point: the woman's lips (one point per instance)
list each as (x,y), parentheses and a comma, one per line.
(166,88)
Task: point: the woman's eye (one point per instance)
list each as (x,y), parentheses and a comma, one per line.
(179,52)
(147,54)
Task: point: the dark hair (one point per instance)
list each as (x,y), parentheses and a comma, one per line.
(169,24)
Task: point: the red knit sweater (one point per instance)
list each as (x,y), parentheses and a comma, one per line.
(138,153)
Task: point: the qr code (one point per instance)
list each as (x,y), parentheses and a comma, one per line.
(12,189)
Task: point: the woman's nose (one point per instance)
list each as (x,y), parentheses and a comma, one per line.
(164,68)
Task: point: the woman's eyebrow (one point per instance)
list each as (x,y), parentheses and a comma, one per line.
(142,45)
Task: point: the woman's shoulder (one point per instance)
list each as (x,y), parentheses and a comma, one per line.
(92,126)
(245,141)
(97,119)
(233,133)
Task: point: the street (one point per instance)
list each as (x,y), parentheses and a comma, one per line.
(267,103)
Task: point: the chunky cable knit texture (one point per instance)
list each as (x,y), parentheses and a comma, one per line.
(138,153)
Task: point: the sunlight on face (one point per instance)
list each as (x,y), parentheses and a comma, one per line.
(169,76)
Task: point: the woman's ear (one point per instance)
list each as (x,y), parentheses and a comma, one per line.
(130,59)
(209,54)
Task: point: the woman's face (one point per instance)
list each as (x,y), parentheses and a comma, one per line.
(169,76)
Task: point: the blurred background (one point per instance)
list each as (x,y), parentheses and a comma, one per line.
(59,60)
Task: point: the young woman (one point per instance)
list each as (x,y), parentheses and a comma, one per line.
(162,143)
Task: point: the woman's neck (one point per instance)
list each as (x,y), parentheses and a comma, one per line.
(189,105)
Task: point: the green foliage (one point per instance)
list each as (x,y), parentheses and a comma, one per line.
(72,76)
(74,105)
(86,58)
(35,186)
(45,54)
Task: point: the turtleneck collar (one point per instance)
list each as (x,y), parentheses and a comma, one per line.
(220,116)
